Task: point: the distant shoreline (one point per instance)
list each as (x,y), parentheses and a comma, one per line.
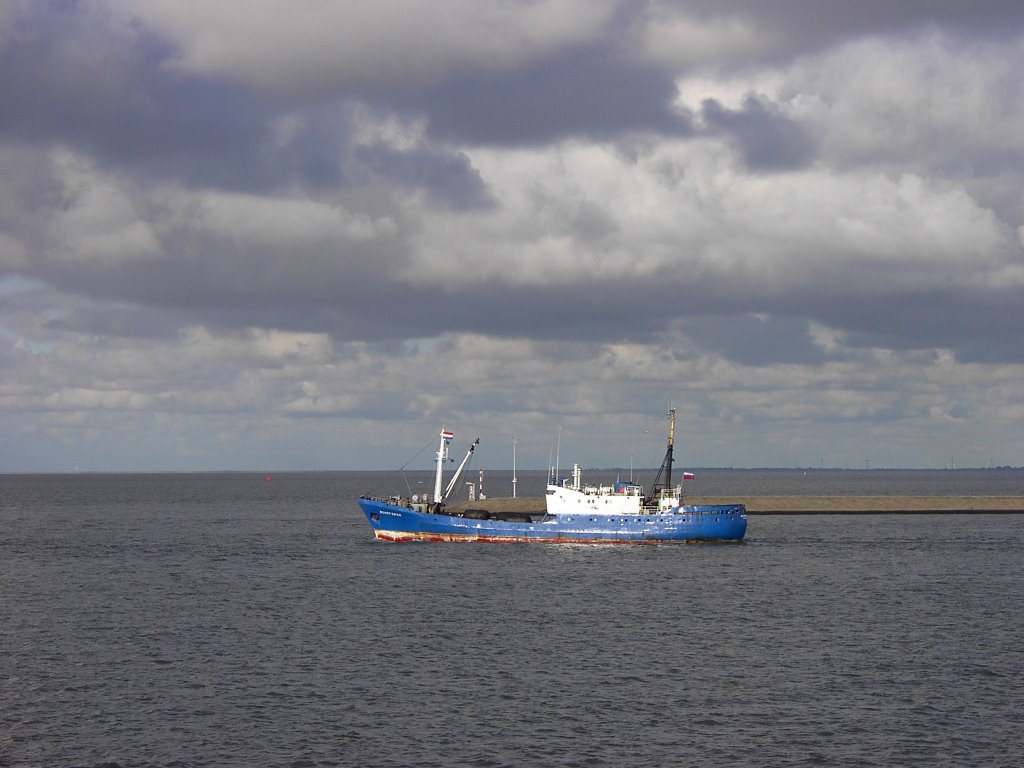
(810,505)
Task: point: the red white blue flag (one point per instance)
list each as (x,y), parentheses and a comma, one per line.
(687,475)
(447,434)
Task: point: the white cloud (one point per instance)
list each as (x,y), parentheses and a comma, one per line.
(307,46)
(276,222)
(934,100)
(784,232)
(493,386)
(673,37)
(98,221)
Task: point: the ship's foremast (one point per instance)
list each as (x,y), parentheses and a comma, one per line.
(442,457)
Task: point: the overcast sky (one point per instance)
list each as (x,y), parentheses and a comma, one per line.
(305,234)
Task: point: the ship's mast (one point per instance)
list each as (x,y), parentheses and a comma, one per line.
(666,464)
(671,442)
(442,456)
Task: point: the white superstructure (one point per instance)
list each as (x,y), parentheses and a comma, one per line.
(568,497)
(617,499)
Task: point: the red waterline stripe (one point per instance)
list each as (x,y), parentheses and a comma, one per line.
(403,537)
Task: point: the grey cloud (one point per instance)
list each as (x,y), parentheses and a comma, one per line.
(28,193)
(108,95)
(120,321)
(980,327)
(116,99)
(590,92)
(799,27)
(353,291)
(755,340)
(835,19)
(449,177)
(112,98)
(768,140)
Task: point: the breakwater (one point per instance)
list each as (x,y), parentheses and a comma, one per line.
(807,505)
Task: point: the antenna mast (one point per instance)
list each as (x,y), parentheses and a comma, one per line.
(515,442)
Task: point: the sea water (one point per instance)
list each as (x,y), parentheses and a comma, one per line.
(236,620)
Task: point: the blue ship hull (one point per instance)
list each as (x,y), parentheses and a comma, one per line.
(685,524)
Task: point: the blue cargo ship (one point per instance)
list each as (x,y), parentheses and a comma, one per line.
(575,513)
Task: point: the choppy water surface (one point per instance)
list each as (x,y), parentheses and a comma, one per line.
(223,620)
